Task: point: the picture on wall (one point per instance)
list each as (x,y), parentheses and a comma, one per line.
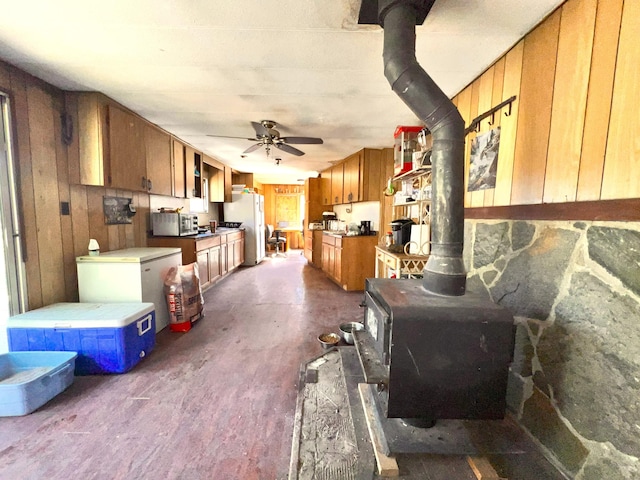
(484,161)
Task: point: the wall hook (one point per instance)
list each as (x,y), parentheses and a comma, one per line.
(493,119)
(508,113)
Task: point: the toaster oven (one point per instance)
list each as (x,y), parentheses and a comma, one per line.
(170,224)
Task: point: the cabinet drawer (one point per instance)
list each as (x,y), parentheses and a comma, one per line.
(234,236)
(329,240)
(206,243)
(390,261)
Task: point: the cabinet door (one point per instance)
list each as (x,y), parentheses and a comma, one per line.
(127,151)
(224,266)
(193,168)
(372,175)
(158,160)
(214,263)
(325,257)
(237,253)
(241,247)
(337,269)
(203,267)
(337,184)
(352,178)
(325,186)
(177,160)
(230,257)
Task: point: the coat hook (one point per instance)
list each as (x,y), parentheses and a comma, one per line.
(493,119)
(508,114)
(477,127)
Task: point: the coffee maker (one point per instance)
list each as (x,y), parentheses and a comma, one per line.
(401,230)
(365,227)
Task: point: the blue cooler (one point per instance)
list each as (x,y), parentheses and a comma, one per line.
(108,337)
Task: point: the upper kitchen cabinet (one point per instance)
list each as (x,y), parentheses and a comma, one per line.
(219,187)
(193,169)
(372,175)
(113,147)
(337,184)
(88,159)
(159,161)
(351,178)
(127,152)
(325,185)
(177,164)
(358,178)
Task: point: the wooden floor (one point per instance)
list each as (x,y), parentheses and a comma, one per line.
(215,403)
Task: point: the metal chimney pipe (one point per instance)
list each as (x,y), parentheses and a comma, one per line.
(444,272)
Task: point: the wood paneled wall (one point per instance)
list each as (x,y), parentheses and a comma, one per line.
(51,241)
(573,130)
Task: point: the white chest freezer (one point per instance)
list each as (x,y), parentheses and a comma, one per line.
(128,275)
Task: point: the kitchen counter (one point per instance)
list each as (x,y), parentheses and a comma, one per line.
(219,231)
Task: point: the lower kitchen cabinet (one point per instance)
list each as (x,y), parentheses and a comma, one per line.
(348,261)
(216,255)
(313,247)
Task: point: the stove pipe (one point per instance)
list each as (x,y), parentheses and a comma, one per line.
(444,272)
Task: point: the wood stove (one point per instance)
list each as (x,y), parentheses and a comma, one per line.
(434,350)
(433,356)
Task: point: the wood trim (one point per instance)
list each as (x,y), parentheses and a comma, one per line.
(627,210)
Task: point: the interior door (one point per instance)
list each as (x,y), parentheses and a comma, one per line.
(13,290)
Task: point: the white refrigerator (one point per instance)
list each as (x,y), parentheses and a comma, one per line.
(248,208)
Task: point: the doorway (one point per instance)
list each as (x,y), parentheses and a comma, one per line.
(12,276)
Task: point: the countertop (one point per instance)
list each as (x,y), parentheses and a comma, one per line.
(200,236)
(342,235)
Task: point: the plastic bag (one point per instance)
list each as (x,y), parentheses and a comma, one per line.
(184,296)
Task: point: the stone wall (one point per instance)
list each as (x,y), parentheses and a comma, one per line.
(574,289)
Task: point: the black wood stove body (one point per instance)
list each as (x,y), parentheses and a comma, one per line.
(434,356)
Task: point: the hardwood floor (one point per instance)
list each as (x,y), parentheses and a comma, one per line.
(217,402)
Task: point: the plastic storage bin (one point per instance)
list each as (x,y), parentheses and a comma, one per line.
(108,337)
(28,380)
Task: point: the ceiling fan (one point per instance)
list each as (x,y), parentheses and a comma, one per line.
(267,136)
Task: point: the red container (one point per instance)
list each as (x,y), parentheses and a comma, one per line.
(406,142)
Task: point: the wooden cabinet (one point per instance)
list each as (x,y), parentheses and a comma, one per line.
(348,261)
(224,259)
(215,271)
(313,247)
(372,175)
(127,153)
(202,257)
(359,178)
(325,187)
(193,169)
(351,178)
(177,165)
(313,206)
(337,184)
(88,160)
(159,161)
(219,189)
(118,149)
(216,255)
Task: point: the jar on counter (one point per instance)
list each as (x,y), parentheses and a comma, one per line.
(388,239)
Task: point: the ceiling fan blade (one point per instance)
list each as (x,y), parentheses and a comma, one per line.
(253,148)
(286,148)
(261,131)
(302,140)
(228,136)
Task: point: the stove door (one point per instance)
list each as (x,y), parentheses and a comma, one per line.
(377,322)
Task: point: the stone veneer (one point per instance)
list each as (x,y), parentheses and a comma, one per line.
(574,290)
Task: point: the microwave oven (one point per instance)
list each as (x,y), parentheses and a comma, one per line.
(174,224)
